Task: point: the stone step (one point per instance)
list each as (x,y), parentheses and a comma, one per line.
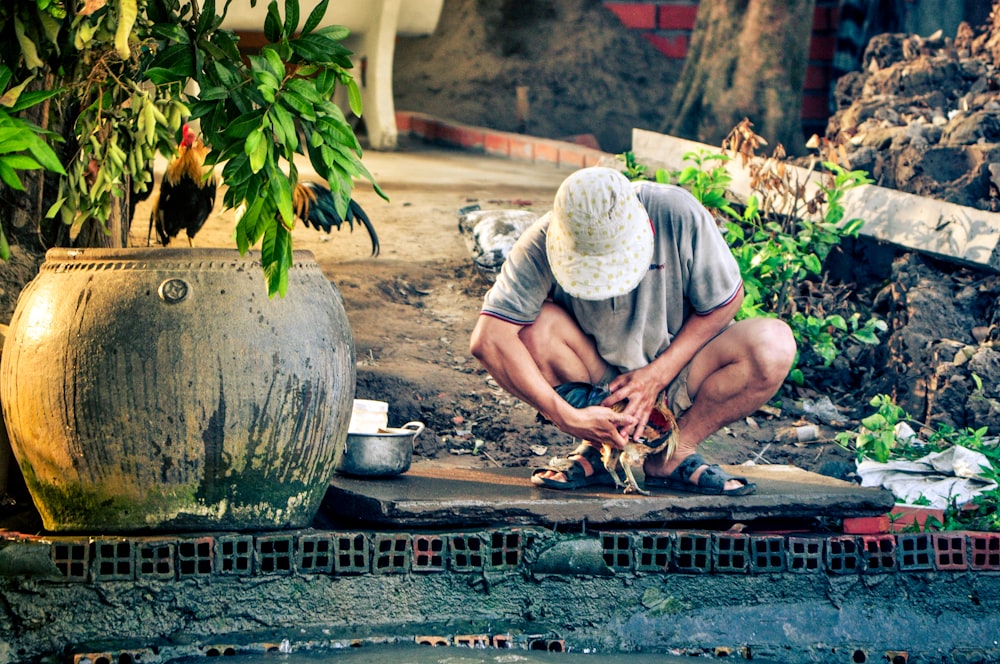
(435,495)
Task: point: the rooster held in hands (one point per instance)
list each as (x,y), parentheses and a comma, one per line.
(187,192)
(314,205)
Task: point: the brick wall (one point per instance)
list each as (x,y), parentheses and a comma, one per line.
(667,25)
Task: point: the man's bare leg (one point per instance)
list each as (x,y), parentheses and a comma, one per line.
(563,354)
(730,378)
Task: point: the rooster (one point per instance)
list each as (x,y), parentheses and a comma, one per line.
(187,192)
(658,436)
(314,205)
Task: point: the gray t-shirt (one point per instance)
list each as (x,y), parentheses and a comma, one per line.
(693,270)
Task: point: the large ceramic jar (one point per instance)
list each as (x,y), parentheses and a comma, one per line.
(162,389)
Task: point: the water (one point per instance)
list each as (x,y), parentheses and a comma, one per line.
(422,654)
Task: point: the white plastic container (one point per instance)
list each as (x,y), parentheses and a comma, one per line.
(368,416)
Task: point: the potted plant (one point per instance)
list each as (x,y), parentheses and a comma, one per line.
(233,376)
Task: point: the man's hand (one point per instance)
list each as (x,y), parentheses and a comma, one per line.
(597,424)
(639,390)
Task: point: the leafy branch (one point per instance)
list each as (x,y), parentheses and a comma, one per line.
(124,70)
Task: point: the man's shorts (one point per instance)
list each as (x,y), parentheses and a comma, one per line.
(582,395)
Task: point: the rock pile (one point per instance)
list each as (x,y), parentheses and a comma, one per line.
(923,116)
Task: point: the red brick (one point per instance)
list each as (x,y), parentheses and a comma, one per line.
(677,18)
(451,134)
(403,119)
(634,15)
(825,17)
(815,106)
(866,525)
(821,47)
(673,47)
(903,517)
(950,551)
(593,158)
(573,156)
(817,78)
(522,148)
(547,152)
(425,127)
(496,143)
(471,137)
(586,140)
(984,551)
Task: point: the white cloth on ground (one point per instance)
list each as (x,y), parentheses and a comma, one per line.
(940,477)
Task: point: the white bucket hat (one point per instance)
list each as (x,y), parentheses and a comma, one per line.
(599,240)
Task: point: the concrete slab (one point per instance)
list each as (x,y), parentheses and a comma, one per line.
(430,495)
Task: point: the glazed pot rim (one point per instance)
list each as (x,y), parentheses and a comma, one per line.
(164,253)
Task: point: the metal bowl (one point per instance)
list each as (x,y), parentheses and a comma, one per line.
(383,454)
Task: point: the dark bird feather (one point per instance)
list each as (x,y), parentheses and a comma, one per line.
(315,206)
(187,192)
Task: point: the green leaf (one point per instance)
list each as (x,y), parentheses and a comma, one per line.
(315,16)
(274,63)
(354,97)
(9,176)
(224,74)
(297,105)
(333,31)
(291,16)
(317,48)
(256,148)
(244,125)
(284,120)
(33,97)
(276,257)
(281,189)
(4,247)
(272,23)
(812,263)
(21,162)
(171,32)
(866,336)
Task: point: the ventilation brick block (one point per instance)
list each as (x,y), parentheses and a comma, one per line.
(505,549)
(234,555)
(767,554)
(805,554)
(195,558)
(352,553)
(616,549)
(950,551)
(915,552)
(466,552)
(154,560)
(314,553)
(429,553)
(731,553)
(693,552)
(653,552)
(112,560)
(878,553)
(391,553)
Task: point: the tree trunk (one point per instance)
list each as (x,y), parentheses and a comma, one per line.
(747,60)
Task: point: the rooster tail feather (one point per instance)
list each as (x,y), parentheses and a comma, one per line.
(315,205)
(354,209)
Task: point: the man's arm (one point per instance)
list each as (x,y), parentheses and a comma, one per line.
(497,345)
(641,387)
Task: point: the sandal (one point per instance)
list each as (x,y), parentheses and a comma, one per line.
(711,481)
(574,471)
